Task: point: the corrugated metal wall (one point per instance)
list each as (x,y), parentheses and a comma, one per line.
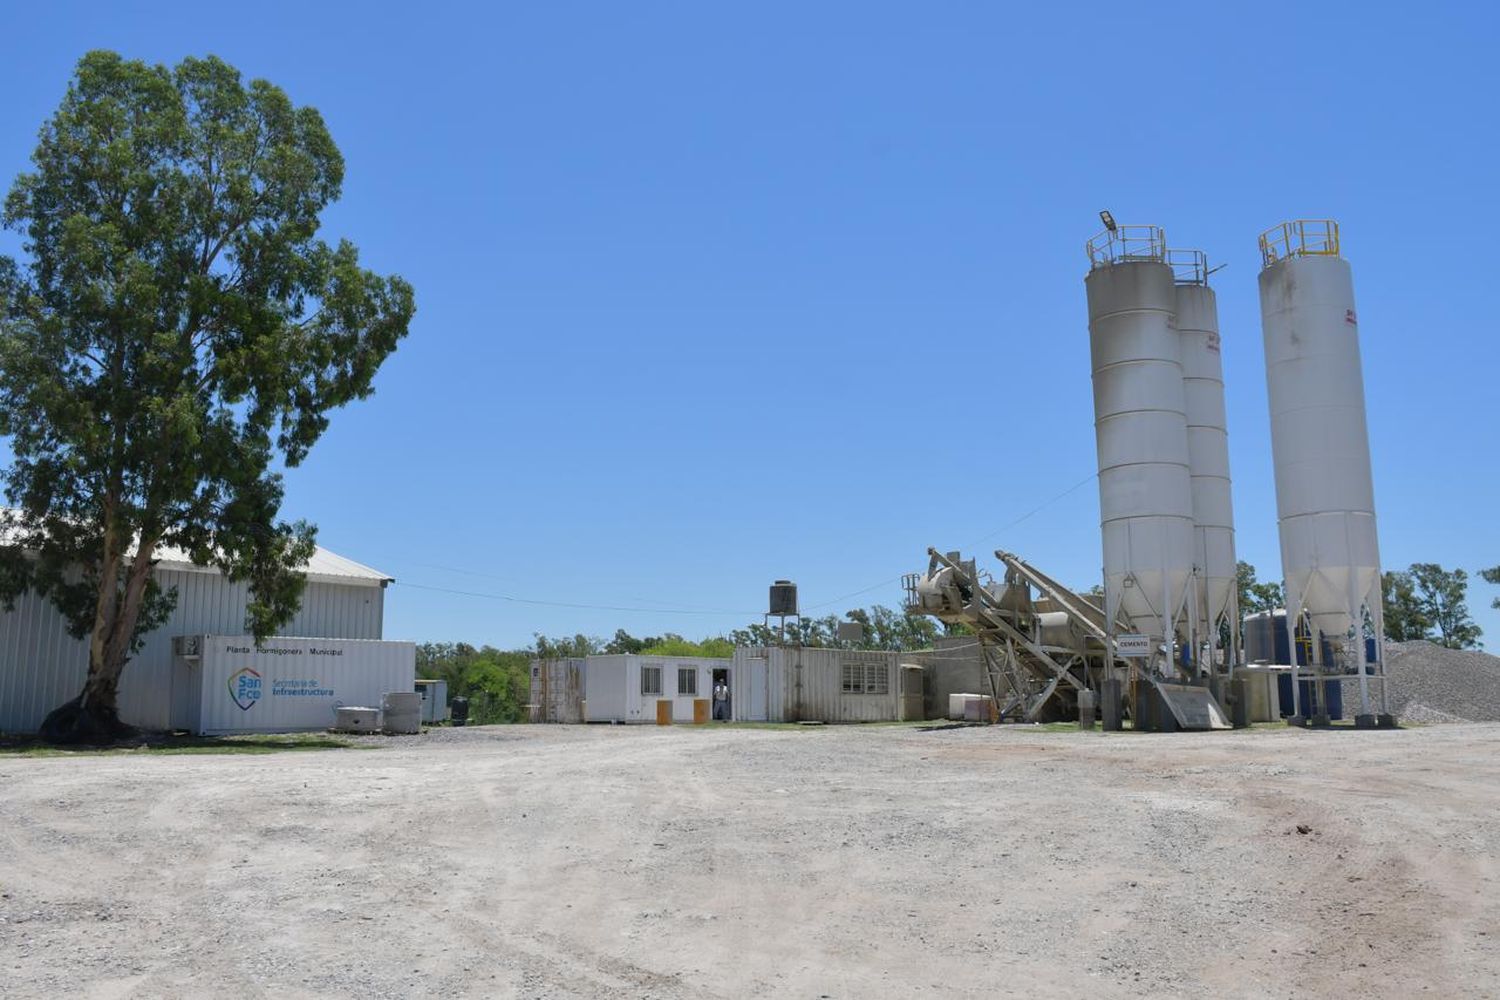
(41,667)
(807,685)
(557,688)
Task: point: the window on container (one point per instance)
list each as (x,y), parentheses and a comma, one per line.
(687,680)
(877,678)
(853,678)
(651,680)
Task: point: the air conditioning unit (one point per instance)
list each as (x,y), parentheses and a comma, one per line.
(187,646)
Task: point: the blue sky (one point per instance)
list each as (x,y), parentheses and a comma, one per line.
(710,296)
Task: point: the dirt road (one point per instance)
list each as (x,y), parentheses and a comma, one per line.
(847,862)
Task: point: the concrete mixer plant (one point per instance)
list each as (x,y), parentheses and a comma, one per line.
(1048,652)
(1162,642)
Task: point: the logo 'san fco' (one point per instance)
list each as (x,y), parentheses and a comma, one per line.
(244,687)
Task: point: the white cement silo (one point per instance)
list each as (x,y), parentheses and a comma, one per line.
(1325,498)
(1145,491)
(1197,322)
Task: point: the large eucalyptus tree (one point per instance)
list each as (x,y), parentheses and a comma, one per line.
(174,329)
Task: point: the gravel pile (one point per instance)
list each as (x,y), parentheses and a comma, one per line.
(1431,684)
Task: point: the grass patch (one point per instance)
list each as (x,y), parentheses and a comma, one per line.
(168,745)
(765,726)
(800,727)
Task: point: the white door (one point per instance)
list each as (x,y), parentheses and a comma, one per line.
(756,709)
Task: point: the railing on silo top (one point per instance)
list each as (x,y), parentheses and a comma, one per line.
(1124,244)
(1299,238)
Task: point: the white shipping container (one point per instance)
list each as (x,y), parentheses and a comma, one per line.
(626,687)
(286,684)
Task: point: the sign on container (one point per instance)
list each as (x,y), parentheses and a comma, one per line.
(287,684)
(1133,645)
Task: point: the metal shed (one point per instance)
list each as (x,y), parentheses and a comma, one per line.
(41,666)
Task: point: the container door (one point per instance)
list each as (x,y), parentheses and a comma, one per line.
(757,670)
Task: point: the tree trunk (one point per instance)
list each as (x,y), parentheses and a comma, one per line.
(93,717)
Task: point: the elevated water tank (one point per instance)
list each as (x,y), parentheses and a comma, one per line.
(1197,321)
(783,598)
(1145,488)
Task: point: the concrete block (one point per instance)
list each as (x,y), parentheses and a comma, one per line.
(956,704)
(1086,710)
(1239,703)
(401,713)
(1364,722)
(356,720)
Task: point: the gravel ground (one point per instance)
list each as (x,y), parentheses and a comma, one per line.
(850,862)
(1431,684)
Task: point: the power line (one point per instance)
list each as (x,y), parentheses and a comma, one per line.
(1004,527)
(707,612)
(568,604)
(1036,510)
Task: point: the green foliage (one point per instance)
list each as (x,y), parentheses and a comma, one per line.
(884,629)
(176,331)
(1492,575)
(1441,596)
(624,642)
(1405,615)
(669,644)
(675,645)
(565,647)
(1255,596)
(497,683)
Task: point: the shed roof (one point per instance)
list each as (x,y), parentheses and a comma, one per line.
(323,567)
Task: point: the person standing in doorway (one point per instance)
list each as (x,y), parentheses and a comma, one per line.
(721,701)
